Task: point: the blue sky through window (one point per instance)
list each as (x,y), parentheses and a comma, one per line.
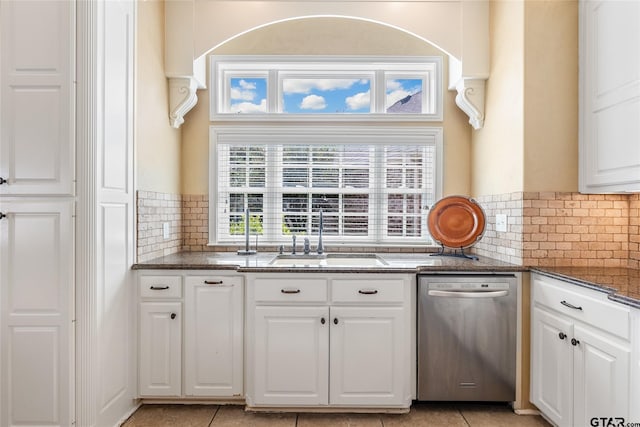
(248,95)
(399,93)
(339,95)
(324,96)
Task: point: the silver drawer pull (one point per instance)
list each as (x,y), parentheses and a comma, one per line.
(290,291)
(213,282)
(159,288)
(566,304)
(368,291)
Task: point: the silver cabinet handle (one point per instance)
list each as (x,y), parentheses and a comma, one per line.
(213,282)
(159,288)
(458,294)
(290,291)
(566,304)
(368,291)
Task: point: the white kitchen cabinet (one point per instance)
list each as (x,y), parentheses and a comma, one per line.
(191,343)
(552,366)
(291,354)
(609,96)
(36,306)
(213,336)
(366,357)
(37,143)
(581,354)
(341,340)
(160,364)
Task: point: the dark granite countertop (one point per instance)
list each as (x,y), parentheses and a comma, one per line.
(621,284)
(396,263)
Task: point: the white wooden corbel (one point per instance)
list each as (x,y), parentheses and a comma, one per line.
(470,99)
(182,98)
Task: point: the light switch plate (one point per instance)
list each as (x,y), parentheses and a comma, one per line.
(501,222)
(165,230)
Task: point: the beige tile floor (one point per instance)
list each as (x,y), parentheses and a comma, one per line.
(421,414)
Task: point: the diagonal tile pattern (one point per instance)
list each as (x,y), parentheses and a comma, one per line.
(421,414)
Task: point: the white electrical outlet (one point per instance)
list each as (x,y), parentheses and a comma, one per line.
(165,230)
(501,222)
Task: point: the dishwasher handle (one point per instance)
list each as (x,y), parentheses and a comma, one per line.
(466,294)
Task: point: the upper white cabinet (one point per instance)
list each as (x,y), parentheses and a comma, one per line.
(581,353)
(609,96)
(37,104)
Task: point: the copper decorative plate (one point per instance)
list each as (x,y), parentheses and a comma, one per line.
(456,222)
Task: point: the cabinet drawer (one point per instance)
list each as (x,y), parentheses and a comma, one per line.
(221,281)
(290,290)
(590,307)
(366,291)
(160,286)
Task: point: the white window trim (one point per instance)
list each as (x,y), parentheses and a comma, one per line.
(358,133)
(429,68)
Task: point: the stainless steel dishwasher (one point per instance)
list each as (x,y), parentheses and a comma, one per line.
(467,337)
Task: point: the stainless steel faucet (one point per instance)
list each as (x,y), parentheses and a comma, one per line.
(321,226)
(247,229)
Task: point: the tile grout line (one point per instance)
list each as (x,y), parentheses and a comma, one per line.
(214,415)
(464,418)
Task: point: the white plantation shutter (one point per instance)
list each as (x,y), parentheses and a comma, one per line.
(372,184)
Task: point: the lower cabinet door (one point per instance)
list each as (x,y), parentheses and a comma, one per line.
(291,356)
(36,309)
(368,364)
(552,366)
(213,349)
(602,372)
(160,349)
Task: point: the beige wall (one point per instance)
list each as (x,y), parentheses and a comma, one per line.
(157,144)
(328,36)
(497,149)
(530,138)
(551,96)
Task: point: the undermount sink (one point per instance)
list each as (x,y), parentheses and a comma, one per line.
(329,260)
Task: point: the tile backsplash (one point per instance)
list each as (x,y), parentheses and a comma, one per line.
(634,231)
(563,229)
(154,210)
(543,228)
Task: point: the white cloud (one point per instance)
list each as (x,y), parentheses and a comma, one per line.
(245,91)
(393,85)
(249,107)
(396,96)
(313,102)
(358,101)
(247,85)
(307,85)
